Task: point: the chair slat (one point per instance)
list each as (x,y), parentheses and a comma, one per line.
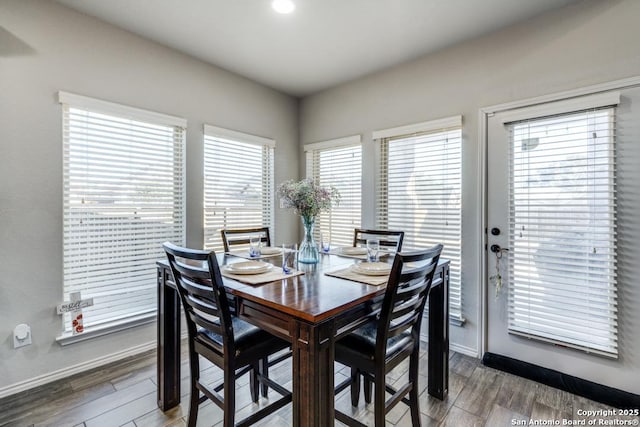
(388,238)
(203,306)
(406,308)
(241,236)
(398,328)
(192,271)
(410,291)
(203,322)
(196,288)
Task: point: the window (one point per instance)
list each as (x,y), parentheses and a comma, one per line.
(563,221)
(338,163)
(419,191)
(238,183)
(123,197)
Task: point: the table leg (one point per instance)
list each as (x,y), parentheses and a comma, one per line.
(313,358)
(168,343)
(438,360)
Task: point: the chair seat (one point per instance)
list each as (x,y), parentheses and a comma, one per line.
(247,337)
(361,343)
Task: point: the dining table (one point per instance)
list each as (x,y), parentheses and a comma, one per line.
(311,309)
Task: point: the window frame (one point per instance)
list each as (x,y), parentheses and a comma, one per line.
(221,135)
(313,152)
(96,110)
(381,137)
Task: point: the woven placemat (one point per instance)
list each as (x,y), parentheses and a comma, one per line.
(347,273)
(272,275)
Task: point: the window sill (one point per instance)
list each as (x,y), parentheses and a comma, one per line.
(67,338)
(457,321)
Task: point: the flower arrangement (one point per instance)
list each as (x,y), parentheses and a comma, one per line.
(307,198)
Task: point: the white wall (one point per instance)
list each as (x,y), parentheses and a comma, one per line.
(44,48)
(584,44)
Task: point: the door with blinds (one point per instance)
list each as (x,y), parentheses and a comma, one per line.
(552,224)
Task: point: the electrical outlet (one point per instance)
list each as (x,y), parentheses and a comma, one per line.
(21,335)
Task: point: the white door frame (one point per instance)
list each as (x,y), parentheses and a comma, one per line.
(483,115)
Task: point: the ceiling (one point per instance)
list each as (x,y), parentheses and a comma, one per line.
(321,44)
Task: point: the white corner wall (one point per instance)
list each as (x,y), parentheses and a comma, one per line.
(583,44)
(45,48)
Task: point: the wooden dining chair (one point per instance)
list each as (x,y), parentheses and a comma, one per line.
(390,240)
(230,343)
(388,336)
(240,236)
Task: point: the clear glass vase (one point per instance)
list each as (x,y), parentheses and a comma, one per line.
(308,251)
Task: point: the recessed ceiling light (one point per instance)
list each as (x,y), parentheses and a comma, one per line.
(283,6)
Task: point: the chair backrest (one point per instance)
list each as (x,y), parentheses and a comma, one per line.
(197,277)
(390,240)
(240,236)
(406,294)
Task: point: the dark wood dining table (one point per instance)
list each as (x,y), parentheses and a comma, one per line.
(310,311)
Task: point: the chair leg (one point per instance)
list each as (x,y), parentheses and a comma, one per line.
(264,371)
(413,394)
(355,386)
(254,383)
(193,406)
(368,386)
(379,397)
(194,367)
(229,405)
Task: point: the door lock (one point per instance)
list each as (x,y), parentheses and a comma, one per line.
(496,249)
(495,231)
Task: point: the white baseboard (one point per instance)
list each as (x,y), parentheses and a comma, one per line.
(467,351)
(114,357)
(75,369)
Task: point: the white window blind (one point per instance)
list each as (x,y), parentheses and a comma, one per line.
(419,192)
(562,277)
(340,166)
(238,183)
(123,197)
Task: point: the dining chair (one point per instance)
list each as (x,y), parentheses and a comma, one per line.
(241,236)
(390,240)
(228,342)
(388,336)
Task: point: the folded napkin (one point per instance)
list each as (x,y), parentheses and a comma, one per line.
(272,275)
(349,274)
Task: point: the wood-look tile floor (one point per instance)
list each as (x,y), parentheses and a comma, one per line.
(124,394)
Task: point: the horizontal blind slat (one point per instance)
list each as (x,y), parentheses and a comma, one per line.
(562,262)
